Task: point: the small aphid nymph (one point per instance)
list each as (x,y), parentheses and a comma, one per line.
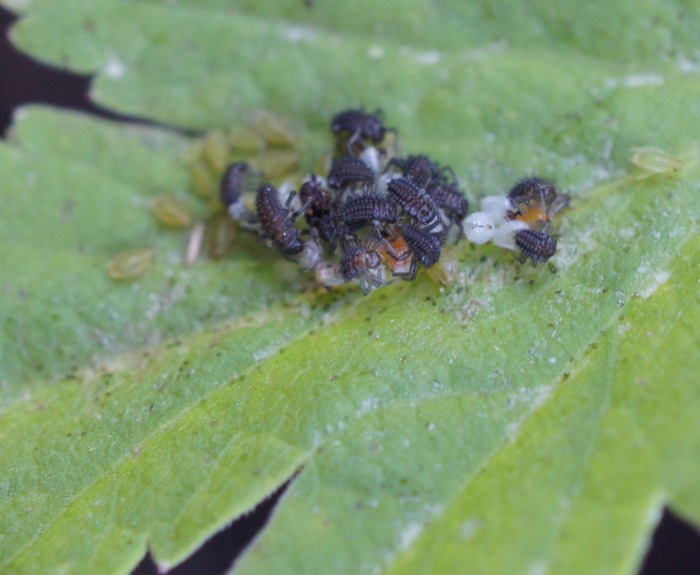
(276,163)
(220,234)
(131,264)
(246,140)
(275,130)
(203,181)
(216,150)
(654,161)
(171,211)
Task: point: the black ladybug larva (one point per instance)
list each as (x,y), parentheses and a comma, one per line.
(536,245)
(276,222)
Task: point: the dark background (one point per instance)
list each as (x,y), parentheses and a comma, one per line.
(675,547)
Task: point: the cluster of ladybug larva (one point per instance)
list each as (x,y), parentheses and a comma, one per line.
(377,216)
(520,221)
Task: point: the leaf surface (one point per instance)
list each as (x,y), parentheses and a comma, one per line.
(520,419)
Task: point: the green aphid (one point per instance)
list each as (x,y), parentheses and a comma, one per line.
(275,163)
(654,161)
(170,211)
(216,150)
(275,130)
(246,140)
(203,180)
(221,232)
(130,264)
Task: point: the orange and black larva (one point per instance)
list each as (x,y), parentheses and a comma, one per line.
(535,201)
(316,200)
(532,193)
(362,261)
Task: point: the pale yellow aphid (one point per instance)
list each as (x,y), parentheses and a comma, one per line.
(216,150)
(203,181)
(131,264)
(220,235)
(246,140)
(170,211)
(275,163)
(193,153)
(275,130)
(653,161)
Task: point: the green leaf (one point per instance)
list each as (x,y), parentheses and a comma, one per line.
(517,420)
